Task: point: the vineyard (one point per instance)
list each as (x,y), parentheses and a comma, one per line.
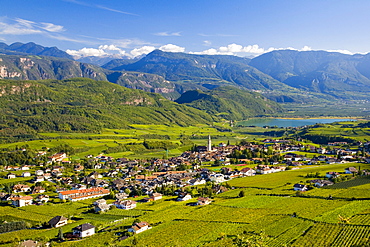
(270,211)
(322,234)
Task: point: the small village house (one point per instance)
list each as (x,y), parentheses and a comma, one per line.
(84,230)
(58,221)
(139,227)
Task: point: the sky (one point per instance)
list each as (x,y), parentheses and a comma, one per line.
(235,27)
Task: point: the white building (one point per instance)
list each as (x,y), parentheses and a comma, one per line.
(139,227)
(84,230)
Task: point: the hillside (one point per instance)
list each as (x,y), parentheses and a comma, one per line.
(84,105)
(230,103)
(32,49)
(205,70)
(41,67)
(340,75)
(144,81)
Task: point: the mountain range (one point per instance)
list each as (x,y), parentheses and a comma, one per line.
(33,49)
(282,75)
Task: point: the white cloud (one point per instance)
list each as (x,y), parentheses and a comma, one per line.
(20,26)
(103,50)
(51,27)
(115,10)
(168,34)
(17,29)
(254,50)
(341,51)
(171,48)
(85,52)
(234,49)
(211,51)
(64,38)
(112,48)
(207,43)
(141,51)
(306,48)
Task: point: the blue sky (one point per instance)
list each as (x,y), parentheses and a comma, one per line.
(136,27)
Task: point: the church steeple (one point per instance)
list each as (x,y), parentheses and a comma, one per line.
(209,145)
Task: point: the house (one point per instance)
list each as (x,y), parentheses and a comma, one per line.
(39,179)
(57,157)
(183,196)
(248,171)
(351,170)
(156,196)
(100,201)
(101,208)
(203,201)
(139,227)
(217,178)
(11,175)
(321,183)
(84,230)
(18,188)
(197,181)
(30,243)
(38,189)
(127,204)
(332,174)
(300,187)
(76,195)
(39,172)
(26,174)
(22,201)
(58,221)
(42,198)
(121,196)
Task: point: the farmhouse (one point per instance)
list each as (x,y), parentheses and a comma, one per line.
(156,196)
(22,201)
(332,174)
(203,201)
(102,207)
(321,183)
(58,221)
(26,174)
(217,178)
(84,230)
(300,187)
(57,157)
(76,195)
(183,197)
(139,227)
(248,171)
(42,198)
(127,204)
(351,170)
(18,188)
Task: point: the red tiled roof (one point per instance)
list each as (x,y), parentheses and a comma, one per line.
(97,190)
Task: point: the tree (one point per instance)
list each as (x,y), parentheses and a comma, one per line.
(241,193)
(60,234)
(135,241)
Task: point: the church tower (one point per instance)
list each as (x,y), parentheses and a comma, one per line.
(209,145)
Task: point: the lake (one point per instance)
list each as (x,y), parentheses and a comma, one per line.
(279,122)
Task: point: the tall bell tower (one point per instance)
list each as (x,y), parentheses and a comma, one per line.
(209,145)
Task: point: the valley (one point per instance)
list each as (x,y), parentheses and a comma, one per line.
(154,151)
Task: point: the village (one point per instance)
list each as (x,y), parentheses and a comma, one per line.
(200,173)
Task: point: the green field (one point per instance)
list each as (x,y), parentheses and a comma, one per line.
(270,211)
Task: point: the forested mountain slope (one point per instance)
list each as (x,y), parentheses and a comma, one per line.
(84,105)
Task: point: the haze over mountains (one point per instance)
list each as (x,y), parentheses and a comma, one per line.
(283,75)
